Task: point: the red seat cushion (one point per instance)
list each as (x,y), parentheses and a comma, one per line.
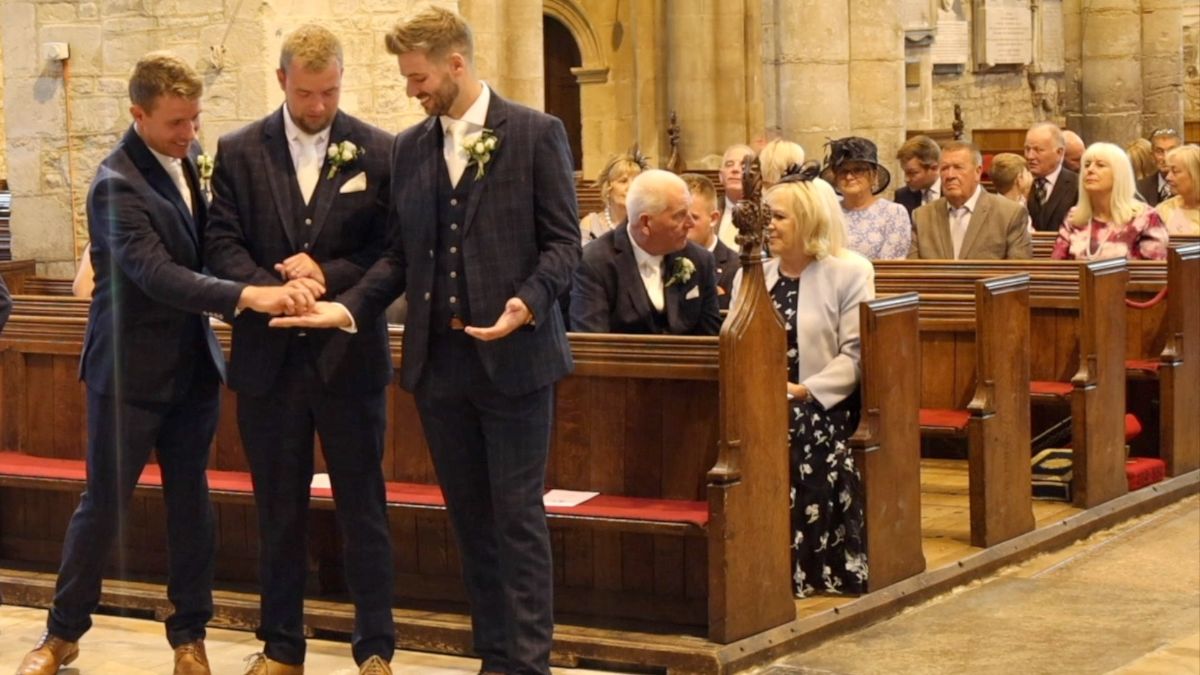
(1143,471)
(1133,427)
(1046,388)
(945,419)
(1147,365)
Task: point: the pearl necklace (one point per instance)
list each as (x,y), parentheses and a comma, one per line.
(608,223)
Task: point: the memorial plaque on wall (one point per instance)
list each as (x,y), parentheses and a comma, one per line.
(952,43)
(919,16)
(1051,56)
(1003,32)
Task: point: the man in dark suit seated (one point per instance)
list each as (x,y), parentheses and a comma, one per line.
(705,217)
(918,157)
(647,276)
(1055,187)
(1154,188)
(152,365)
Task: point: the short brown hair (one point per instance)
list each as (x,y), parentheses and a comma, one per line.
(700,186)
(162,74)
(313,45)
(1006,168)
(922,148)
(953,146)
(435,31)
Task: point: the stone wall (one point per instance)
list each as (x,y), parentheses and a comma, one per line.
(1191,63)
(3,142)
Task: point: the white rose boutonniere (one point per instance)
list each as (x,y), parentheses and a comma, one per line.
(204,166)
(479,149)
(341,154)
(681,271)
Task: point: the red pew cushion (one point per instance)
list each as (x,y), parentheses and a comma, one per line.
(943,418)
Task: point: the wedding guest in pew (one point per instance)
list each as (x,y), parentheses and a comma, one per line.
(1108,221)
(1154,187)
(919,158)
(776,158)
(1141,155)
(1011,179)
(1055,187)
(730,175)
(1181,213)
(705,216)
(613,182)
(1073,147)
(647,276)
(151,365)
(968,222)
(878,228)
(817,287)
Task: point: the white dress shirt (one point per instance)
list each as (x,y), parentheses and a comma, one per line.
(174,168)
(960,220)
(308,153)
(932,192)
(455,131)
(1049,181)
(727,231)
(650,268)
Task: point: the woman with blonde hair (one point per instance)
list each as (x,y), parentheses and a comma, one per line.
(1108,221)
(613,182)
(1141,156)
(776,158)
(817,286)
(1181,213)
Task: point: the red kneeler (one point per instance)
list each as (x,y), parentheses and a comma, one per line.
(1141,471)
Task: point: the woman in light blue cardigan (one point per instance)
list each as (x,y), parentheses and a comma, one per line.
(817,285)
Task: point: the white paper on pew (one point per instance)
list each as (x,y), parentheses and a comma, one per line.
(321,480)
(567,497)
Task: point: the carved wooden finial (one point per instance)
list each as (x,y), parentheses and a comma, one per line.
(675,163)
(958,122)
(749,215)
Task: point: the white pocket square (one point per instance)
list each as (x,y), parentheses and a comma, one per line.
(356,184)
(692,294)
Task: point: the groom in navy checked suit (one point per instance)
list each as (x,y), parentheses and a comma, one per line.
(286,210)
(484,243)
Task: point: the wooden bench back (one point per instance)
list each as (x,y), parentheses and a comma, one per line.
(1180,371)
(48,286)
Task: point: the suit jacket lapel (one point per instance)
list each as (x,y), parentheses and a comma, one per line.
(941,229)
(977,222)
(673,295)
(630,278)
(281,173)
(199,205)
(154,173)
(327,189)
(497,115)
(420,203)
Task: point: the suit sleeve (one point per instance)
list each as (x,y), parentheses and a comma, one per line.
(555,219)
(5,304)
(1020,243)
(225,250)
(914,249)
(590,304)
(120,220)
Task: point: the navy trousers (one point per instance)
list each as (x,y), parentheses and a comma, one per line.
(489,450)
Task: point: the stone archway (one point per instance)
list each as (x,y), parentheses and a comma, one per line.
(591,75)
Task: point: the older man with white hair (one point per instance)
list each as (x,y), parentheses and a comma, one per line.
(646,276)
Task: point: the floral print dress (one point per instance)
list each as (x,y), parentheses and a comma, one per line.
(828,536)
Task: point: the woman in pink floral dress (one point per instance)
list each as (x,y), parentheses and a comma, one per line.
(1108,222)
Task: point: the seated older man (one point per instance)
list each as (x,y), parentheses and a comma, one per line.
(646,276)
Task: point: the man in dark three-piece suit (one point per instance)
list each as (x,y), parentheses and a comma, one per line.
(294,202)
(1055,187)
(151,364)
(484,238)
(646,276)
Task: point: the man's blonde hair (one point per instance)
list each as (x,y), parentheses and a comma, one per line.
(437,32)
(162,74)
(313,46)
(700,186)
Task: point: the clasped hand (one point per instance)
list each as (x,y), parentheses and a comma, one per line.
(297,296)
(333,315)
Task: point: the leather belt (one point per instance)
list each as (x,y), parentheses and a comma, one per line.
(456,323)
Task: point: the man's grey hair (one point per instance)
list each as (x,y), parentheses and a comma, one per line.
(1056,133)
(648,193)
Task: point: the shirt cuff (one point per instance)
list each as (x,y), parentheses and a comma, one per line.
(353,327)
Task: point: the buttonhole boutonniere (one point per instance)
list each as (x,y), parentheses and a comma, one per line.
(204,166)
(341,154)
(479,149)
(681,271)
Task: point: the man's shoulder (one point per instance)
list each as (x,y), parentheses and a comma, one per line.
(698,253)
(1001,207)
(723,252)
(370,132)
(249,134)
(927,212)
(602,249)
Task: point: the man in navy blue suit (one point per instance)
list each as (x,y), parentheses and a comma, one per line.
(484,239)
(151,364)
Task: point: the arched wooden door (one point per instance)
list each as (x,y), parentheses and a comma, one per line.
(562,90)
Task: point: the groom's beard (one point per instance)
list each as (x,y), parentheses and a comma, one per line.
(439,102)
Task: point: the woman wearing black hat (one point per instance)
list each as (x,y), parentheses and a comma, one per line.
(877,228)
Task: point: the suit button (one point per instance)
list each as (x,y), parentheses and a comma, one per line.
(305,246)
(454,249)
(453,202)
(427,296)
(453,226)
(454,275)
(453,299)
(430,253)
(308,221)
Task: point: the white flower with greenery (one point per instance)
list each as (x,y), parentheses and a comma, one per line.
(682,271)
(479,149)
(341,154)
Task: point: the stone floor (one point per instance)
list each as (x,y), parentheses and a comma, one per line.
(1126,600)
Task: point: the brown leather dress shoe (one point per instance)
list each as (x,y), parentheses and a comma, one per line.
(375,666)
(259,664)
(190,659)
(50,654)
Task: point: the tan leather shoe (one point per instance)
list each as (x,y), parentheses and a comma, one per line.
(375,666)
(259,664)
(50,654)
(190,659)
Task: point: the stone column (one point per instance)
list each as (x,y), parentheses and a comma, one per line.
(809,72)
(877,96)
(648,90)
(1111,69)
(508,47)
(702,45)
(1162,65)
(3,141)
(1072,96)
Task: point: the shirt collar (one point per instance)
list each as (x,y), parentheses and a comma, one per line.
(935,190)
(296,134)
(640,254)
(167,161)
(1052,177)
(970,203)
(475,115)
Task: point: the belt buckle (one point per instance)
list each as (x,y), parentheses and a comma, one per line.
(456,323)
